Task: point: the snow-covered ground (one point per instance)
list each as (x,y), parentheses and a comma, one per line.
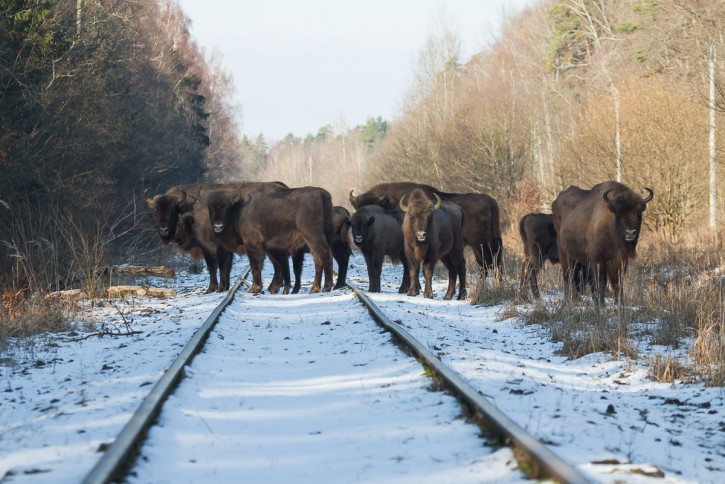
(65,396)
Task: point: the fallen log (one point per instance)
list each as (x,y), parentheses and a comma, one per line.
(68,295)
(161,271)
(125,291)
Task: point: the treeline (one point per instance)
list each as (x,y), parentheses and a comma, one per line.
(98,102)
(573,92)
(335,160)
(572,87)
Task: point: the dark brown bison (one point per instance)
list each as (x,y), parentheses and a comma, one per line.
(194,235)
(339,244)
(286,220)
(539,238)
(379,233)
(432,231)
(598,230)
(481,226)
(167,210)
(168,207)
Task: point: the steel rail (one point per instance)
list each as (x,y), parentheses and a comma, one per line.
(118,457)
(552,465)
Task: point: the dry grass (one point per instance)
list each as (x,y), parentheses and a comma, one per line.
(667,369)
(674,297)
(583,327)
(21,317)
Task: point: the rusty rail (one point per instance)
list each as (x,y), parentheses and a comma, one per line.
(551,464)
(119,455)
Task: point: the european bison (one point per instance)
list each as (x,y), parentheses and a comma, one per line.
(285,220)
(379,233)
(598,229)
(432,231)
(194,234)
(539,238)
(169,207)
(339,244)
(481,226)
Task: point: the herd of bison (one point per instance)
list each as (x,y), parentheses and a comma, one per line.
(592,233)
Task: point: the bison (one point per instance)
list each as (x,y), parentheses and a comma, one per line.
(167,210)
(193,234)
(339,244)
(539,238)
(378,233)
(432,231)
(283,220)
(598,230)
(481,226)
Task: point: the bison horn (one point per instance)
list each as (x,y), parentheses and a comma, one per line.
(403,205)
(438,202)
(649,198)
(183,194)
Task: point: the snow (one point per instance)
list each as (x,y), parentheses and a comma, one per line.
(305,388)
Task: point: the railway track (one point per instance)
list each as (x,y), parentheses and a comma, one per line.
(224,419)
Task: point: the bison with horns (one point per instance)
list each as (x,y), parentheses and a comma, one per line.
(432,231)
(598,231)
(481,225)
(168,209)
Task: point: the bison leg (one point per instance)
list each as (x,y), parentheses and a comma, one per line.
(374,263)
(452,275)
(323,262)
(524,279)
(224,257)
(460,265)
(478,253)
(601,283)
(256,261)
(496,248)
(428,276)
(281,270)
(572,278)
(533,277)
(413,274)
(212,264)
(405,285)
(615,277)
(298,258)
(342,257)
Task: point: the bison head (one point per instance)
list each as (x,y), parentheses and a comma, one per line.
(419,211)
(627,208)
(166,209)
(221,204)
(368,198)
(360,224)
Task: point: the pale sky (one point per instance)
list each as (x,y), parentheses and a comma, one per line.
(300,65)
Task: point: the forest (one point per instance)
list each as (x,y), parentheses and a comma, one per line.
(102,102)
